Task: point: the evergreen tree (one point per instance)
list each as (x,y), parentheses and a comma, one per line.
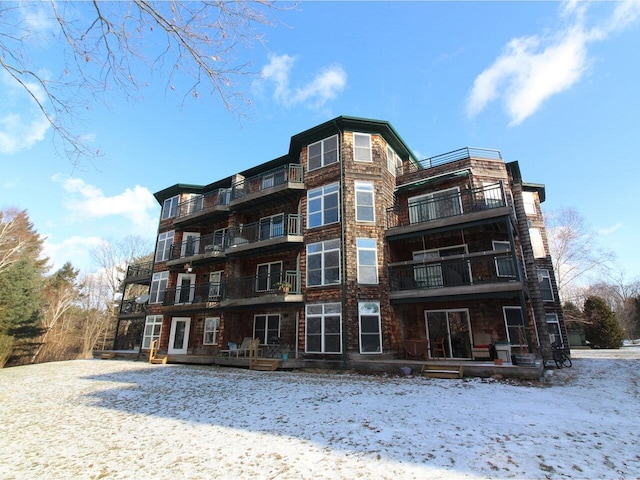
(601,327)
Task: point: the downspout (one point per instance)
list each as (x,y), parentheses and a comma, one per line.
(343,257)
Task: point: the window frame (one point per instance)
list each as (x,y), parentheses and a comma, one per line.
(161,279)
(324,157)
(155,323)
(552,319)
(322,194)
(544,274)
(164,243)
(268,331)
(503,261)
(180,299)
(363,188)
(170,207)
(270,278)
(529,203)
(362,312)
(361,248)
(507,325)
(366,151)
(327,311)
(212,328)
(394,162)
(326,248)
(537,243)
(190,240)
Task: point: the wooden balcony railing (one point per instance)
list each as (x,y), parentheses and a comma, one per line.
(437,206)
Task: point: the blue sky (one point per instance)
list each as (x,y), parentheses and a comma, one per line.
(553,85)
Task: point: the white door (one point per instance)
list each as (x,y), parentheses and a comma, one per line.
(179,336)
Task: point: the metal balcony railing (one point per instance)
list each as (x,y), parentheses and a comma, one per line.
(469,270)
(213,244)
(291,173)
(434,206)
(132,306)
(209,200)
(453,156)
(139,270)
(258,285)
(266,229)
(193,293)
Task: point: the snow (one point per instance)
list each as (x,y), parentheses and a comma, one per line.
(116,419)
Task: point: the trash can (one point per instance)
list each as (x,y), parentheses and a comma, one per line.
(503,351)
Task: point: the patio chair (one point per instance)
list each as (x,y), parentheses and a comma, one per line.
(438,349)
(243,348)
(480,349)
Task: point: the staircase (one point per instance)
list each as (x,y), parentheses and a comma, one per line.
(153,354)
(264,364)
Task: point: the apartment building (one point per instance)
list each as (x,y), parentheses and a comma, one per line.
(348,247)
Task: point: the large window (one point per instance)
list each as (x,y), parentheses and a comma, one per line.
(152,329)
(514,322)
(370,330)
(529,201)
(211,329)
(367,260)
(215,281)
(323,206)
(393,160)
(170,207)
(440,204)
(323,328)
(364,202)
(555,337)
(322,153)
(544,279)
(536,243)
(158,287)
(266,328)
(268,274)
(163,248)
(362,147)
(323,263)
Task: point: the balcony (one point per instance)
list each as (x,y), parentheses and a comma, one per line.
(139,273)
(133,307)
(477,274)
(436,210)
(268,232)
(277,182)
(197,248)
(201,207)
(449,157)
(259,289)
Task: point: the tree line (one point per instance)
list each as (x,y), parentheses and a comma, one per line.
(62,315)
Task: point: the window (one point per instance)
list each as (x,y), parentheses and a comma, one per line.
(194,203)
(163,248)
(362,147)
(440,204)
(515,326)
(504,262)
(190,244)
(536,243)
(152,329)
(170,207)
(454,327)
(393,161)
(268,274)
(158,287)
(555,337)
(323,263)
(529,201)
(323,206)
(364,202)
(544,279)
(370,330)
(185,288)
(322,153)
(367,261)
(266,327)
(323,328)
(215,279)
(211,329)
(444,273)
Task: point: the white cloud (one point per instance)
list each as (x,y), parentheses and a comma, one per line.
(610,230)
(325,86)
(532,69)
(75,249)
(135,204)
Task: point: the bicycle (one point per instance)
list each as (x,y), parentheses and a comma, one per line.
(561,357)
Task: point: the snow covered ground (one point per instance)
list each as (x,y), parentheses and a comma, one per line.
(115,419)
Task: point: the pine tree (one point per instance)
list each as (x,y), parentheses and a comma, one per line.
(601,328)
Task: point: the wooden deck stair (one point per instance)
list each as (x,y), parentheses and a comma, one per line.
(264,364)
(442,371)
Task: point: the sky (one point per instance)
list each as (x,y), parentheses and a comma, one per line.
(554,85)
(119,419)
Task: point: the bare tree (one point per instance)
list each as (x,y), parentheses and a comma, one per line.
(118,45)
(575,251)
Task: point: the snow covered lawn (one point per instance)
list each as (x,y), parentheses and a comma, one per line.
(118,419)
